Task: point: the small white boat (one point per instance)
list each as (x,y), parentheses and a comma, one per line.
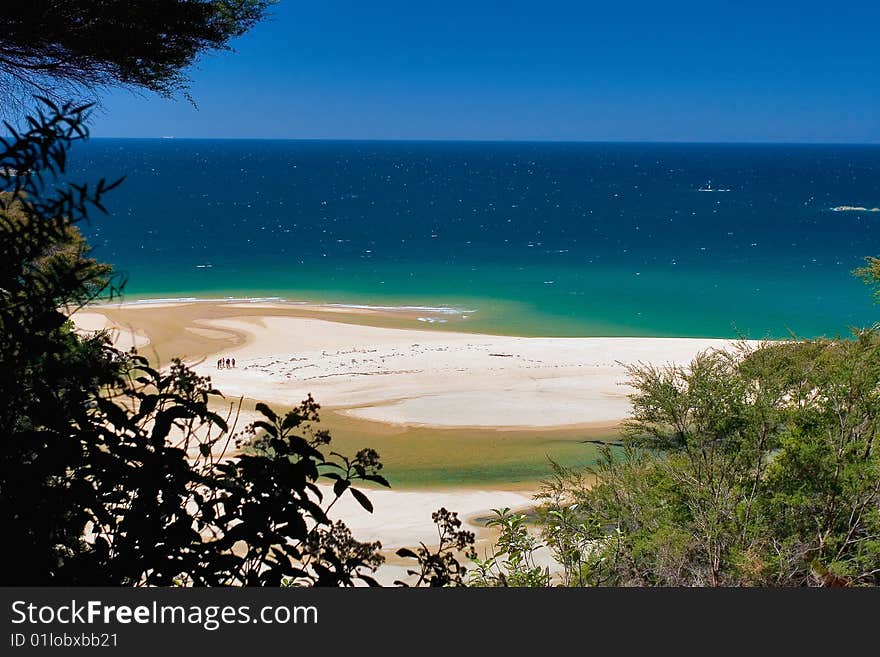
(709,188)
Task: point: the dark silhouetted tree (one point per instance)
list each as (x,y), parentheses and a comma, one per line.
(115,473)
(64,47)
(112,472)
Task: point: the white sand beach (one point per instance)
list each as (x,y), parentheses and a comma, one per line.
(423,377)
(403,519)
(123,337)
(408,377)
(415,377)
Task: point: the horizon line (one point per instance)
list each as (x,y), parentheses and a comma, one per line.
(501,141)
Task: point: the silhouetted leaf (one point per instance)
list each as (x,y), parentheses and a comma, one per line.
(267,412)
(362,499)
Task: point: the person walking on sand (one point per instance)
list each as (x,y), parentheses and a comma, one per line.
(228,363)
(233,363)
(220,364)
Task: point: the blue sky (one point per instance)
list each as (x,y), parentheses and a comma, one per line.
(715,70)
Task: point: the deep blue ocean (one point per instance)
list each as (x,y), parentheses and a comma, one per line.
(530,238)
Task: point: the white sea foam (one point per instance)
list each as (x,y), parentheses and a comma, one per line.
(435,310)
(146,302)
(854,208)
(143,302)
(439,310)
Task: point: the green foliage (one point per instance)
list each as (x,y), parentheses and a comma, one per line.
(48,376)
(573,537)
(750,467)
(513,559)
(63,46)
(870,275)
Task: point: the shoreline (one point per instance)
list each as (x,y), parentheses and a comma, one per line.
(485,315)
(468,421)
(419,316)
(443,407)
(281,301)
(383,365)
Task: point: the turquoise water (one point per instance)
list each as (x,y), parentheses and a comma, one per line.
(538,239)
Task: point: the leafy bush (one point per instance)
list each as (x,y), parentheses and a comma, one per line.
(115,473)
(748,467)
